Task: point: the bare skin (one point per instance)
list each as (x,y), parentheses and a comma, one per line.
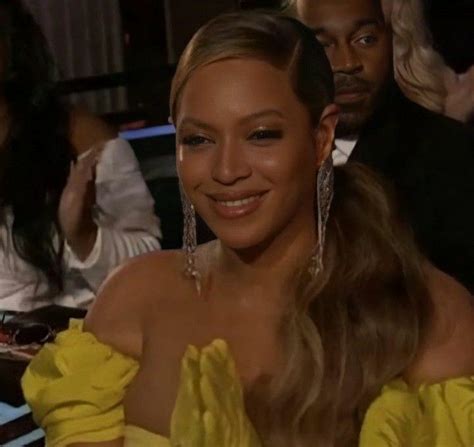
(156,327)
(88,135)
(447,351)
(175,320)
(149,311)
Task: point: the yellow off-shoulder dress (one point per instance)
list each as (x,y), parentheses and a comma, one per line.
(76,386)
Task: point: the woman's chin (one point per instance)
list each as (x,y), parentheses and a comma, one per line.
(240,240)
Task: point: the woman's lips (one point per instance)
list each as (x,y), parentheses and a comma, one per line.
(234,206)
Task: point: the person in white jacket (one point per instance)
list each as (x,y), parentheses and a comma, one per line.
(73,202)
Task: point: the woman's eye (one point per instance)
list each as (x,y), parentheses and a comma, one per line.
(194,140)
(266,134)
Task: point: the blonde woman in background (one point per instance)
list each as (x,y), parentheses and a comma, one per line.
(419,70)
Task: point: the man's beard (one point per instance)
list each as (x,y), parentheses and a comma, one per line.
(352,119)
(355,115)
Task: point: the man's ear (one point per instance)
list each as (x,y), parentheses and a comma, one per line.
(324,133)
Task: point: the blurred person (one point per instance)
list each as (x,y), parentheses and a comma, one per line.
(73,203)
(312,320)
(420,71)
(406,143)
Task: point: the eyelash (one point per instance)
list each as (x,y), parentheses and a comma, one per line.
(372,41)
(194,140)
(266,134)
(258,135)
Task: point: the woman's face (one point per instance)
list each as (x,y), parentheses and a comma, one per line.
(247,153)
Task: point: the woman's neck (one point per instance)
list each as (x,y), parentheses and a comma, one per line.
(269,266)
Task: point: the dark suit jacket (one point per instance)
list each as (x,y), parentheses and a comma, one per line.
(430,160)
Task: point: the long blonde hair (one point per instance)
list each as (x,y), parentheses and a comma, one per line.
(418,67)
(359,324)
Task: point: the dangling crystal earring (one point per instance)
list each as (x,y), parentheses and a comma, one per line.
(324,195)
(190,240)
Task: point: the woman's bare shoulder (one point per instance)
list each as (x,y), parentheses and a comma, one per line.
(447,352)
(118,314)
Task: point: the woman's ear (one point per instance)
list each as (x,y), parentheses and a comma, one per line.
(324,133)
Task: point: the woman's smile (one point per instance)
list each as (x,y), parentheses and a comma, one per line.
(236,204)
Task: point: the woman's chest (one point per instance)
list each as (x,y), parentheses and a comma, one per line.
(169,369)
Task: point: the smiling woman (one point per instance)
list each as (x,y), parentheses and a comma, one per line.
(243,160)
(284,330)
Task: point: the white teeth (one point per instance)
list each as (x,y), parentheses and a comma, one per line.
(232,203)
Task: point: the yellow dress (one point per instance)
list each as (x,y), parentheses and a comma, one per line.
(76,386)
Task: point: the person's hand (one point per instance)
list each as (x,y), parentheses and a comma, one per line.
(225,420)
(459,102)
(210,409)
(76,204)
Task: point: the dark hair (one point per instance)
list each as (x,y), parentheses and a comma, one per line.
(37,152)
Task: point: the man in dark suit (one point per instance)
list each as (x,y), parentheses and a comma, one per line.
(427,157)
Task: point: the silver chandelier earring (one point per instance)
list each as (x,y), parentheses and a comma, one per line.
(190,240)
(324,195)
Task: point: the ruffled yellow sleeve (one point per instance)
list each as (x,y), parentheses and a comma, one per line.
(439,415)
(75,388)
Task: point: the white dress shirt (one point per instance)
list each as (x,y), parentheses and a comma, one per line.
(127,226)
(343,151)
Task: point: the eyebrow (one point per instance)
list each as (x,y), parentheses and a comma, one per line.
(188,120)
(357,26)
(261,114)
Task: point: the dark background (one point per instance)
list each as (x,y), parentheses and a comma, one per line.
(452,25)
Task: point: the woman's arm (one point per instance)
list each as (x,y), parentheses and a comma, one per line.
(448,348)
(87,135)
(124,224)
